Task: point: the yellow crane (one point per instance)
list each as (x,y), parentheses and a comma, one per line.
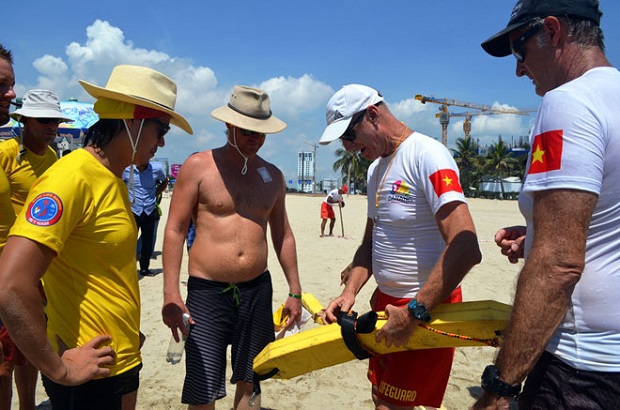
(469,114)
(444,114)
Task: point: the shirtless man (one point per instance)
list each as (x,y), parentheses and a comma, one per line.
(232,195)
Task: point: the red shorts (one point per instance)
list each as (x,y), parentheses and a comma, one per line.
(327,211)
(415,377)
(10,352)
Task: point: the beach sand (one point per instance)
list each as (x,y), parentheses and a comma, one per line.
(320,262)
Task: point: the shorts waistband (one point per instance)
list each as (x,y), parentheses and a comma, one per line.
(200,283)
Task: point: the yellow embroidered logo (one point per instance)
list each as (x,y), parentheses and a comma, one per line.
(397,393)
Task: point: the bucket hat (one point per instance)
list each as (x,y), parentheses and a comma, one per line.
(525,11)
(142,87)
(343,105)
(249,108)
(40,104)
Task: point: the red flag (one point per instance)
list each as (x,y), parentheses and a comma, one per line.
(445,180)
(546,152)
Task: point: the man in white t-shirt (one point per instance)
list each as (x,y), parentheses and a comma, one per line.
(327,208)
(419,242)
(564,333)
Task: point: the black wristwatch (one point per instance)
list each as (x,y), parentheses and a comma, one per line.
(492,383)
(418,311)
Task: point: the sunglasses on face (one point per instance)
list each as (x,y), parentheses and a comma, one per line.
(349,134)
(247,133)
(163,128)
(516,47)
(49,120)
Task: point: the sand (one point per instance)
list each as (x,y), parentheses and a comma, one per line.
(320,262)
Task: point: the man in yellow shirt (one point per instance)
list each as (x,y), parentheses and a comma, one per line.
(23,161)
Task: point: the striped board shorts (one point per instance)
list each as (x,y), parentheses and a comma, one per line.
(225,314)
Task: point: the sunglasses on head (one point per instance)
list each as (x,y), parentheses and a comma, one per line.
(247,133)
(49,120)
(349,134)
(516,47)
(163,128)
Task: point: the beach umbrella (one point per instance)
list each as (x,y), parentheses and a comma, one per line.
(82,113)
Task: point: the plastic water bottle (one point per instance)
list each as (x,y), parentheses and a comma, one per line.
(175,349)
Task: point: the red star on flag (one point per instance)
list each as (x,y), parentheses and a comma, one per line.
(445,180)
(546,152)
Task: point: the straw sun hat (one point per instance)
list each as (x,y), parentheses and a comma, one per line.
(249,108)
(140,86)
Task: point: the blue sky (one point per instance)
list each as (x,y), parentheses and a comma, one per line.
(300,52)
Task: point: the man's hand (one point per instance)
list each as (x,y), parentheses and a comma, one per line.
(172,314)
(86,362)
(510,240)
(490,401)
(398,328)
(292,309)
(342,303)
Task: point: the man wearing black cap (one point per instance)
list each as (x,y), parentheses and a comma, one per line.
(564,333)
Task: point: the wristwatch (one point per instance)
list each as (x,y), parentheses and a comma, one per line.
(418,311)
(492,383)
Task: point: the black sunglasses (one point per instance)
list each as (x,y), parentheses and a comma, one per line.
(247,133)
(349,134)
(516,47)
(163,128)
(49,120)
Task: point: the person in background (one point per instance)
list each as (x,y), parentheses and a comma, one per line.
(145,182)
(327,208)
(233,197)
(419,242)
(77,229)
(564,331)
(23,160)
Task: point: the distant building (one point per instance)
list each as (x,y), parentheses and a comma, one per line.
(305,172)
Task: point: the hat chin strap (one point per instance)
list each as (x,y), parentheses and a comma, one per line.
(244,170)
(134,148)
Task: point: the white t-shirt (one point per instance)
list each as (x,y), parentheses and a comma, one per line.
(576,145)
(335,197)
(406,239)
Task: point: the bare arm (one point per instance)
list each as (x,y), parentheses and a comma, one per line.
(184,199)
(361,271)
(22,265)
(547,280)
(285,248)
(460,254)
(161,187)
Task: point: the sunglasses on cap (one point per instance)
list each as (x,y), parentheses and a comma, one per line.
(247,133)
(516,47)
(349,134)
(163,128)
(49,120)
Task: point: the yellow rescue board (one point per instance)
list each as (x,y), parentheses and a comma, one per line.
(463,324)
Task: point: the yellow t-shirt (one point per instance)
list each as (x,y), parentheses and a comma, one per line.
(80,210)
(22,175)
(7,214)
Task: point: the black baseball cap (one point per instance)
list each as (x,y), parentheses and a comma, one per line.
(527,10)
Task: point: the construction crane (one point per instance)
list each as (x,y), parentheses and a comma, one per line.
(444,114)
(469,114)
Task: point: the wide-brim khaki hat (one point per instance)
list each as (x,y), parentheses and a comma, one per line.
(249,108)
(141,86)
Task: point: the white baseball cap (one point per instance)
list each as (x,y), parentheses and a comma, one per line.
(343,105)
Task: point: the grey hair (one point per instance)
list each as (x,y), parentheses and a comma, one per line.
(582,32)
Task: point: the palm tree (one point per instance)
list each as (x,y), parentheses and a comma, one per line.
(466,157)
(352,166)
(500,162)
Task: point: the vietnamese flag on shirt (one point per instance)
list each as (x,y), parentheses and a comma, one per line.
(546,152)
(445,180)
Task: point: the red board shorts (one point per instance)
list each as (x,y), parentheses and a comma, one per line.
(412,378)
(327,211)
(10,352)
